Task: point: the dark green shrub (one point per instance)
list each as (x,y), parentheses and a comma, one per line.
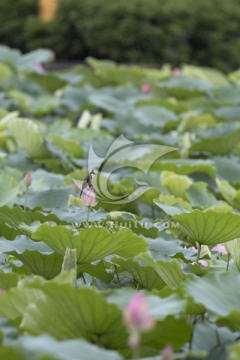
(13,15)
(205,32)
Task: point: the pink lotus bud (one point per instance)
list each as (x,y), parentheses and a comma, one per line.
(27,179)
(89,198)
(176,72)
(167,353)
(39,68)
(193,248)
(220,248)
(137,318)
(203,262)
(53,56)
(146,88)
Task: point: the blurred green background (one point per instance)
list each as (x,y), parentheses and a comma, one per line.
(153,32)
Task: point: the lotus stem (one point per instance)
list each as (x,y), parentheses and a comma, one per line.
(199,252)
(88,212)
(116,272)
(26,199)
(228,261)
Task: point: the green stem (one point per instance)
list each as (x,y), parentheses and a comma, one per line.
(199,252)
(192,334)
(153,212)
(116,272)
(88,212)
(136,352)
(228,261)
(84,280)
(218,338)
(26,199)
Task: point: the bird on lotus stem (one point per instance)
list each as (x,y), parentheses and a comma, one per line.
(87,182)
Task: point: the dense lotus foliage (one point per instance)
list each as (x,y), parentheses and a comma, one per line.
(152,277)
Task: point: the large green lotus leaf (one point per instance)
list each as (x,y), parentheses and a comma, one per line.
(75,313)
(145,276)
(198,122)
(28,137)
(219,292)
(10,353)
(23,243)
(46,265)
(79,215)
(109,103)
(210,227)
(176,184)
(228,168)
(91,244)
(5,72)
(98,271)
(155,116)
(12,218)
(10,56)
(228,113)
(9,190)
(14,302)
(186,166)
(8,280)
(204,337)
(172,205)
(187,83)
(27,61)
(46,347)
(167,247)
(170,271)
(199,195)
(24,100)
(44,105)
(233,247)
(235,77)
(48,199)
(234,351)
(50,82)
(171,104)
(75,98)
(203,73)
(227,94)
(70,146)
(171,330)
(217,141)
(229,193)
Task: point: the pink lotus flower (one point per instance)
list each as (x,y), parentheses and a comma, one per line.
(137,318)
(27,179)
(176,72)
(146,88)
(89,198)
(167,353)
(220,248)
